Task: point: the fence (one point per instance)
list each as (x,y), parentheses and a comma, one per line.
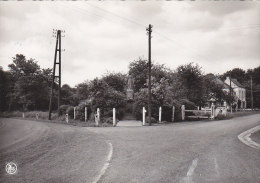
(204,113)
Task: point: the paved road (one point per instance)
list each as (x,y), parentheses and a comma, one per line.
(181,152)
(47,152)
(129,123)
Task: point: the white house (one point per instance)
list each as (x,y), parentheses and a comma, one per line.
(239,90)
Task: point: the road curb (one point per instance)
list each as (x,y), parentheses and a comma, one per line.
(245,137)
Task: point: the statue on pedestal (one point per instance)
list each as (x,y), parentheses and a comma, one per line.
(130,90)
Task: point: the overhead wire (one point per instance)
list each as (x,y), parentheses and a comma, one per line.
(183,48)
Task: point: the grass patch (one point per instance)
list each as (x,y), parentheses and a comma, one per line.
(235,114)
(44,117)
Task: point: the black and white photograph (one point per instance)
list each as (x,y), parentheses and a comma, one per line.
(130,91)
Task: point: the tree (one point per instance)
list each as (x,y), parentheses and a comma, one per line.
(117,81)
(31,84)
(255,74)
(23,67)
(191,78)
(68,96)
(105,97)
(139,71)
(82,91)
(213,88)
(236,73)
(6,85)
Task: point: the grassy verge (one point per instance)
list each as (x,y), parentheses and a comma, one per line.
(236,114)
(43,117)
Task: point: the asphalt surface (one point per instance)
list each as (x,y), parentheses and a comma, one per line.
(47,152)
(181,152)
(256,137)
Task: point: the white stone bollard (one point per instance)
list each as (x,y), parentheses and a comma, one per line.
(212,111)
(98,114)
(23,114)
(144,111)
(67,118)
(37,116)
(182,112)
(160,114)
(225,109)
(173,110)
(97,117)
(114,117)
(74,112)
(86,114)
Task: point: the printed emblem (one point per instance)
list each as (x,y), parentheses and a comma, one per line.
(11,168)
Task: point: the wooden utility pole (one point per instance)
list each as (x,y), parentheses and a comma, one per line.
(57,49)
(252,101)
(149,32)
(230,88)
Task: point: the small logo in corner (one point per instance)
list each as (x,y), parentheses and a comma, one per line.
(11,168)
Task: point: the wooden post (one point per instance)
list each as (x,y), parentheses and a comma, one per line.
(86,114)
(182,112)
(67,118)
(160,114)
(74,112)
(114,117)
(173,110)
(144,111)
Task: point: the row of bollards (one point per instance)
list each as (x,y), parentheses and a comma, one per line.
(97,116)
(160,115)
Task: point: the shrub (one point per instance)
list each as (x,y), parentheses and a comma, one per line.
(63,109)
(178,103)
(80,111)
(108,120)
(166,113)
(70,112)
(153,120)
(220,117)
(141,101)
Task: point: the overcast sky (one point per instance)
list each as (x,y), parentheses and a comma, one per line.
(106,36)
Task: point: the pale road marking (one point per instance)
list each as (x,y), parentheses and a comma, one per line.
(245,137)
(106,165)
(217,169)
(192,167)
(190,172)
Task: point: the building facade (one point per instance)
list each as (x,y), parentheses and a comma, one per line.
(239,91)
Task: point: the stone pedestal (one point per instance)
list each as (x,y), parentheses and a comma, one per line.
(129,94)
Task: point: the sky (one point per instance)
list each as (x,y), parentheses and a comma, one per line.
(105,36)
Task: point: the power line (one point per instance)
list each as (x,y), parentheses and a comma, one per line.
(136,23)
(109,12)
(180,46)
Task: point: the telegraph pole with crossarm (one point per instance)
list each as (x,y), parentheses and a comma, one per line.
(57,34)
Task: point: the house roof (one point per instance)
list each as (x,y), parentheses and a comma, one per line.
(222,83)
(237,83)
